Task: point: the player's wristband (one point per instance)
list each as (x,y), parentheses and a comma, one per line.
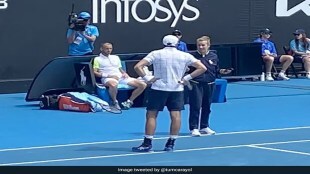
(187,77)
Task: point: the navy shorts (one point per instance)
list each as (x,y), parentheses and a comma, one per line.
(157,100)
(298,59)
(277,59)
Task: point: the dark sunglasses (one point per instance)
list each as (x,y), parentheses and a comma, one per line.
(177,34)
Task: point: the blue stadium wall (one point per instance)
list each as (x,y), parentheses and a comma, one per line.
(33,32)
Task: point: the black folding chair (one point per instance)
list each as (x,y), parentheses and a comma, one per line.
(288,51)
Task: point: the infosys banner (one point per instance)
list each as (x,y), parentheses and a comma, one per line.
(33,32)
(127,10)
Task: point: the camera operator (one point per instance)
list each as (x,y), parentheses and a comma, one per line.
(81,35)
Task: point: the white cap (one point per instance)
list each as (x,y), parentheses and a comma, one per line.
(170,40)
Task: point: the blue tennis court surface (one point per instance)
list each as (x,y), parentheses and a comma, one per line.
(261,124)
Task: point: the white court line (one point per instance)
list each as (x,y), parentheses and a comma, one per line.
(132,140)
(280,150)
(138,154)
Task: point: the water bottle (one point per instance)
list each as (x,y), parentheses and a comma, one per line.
(262,77)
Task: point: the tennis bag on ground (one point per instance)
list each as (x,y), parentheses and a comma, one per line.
(71,103)
(80,102)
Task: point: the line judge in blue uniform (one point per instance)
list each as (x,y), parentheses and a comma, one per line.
(182,46)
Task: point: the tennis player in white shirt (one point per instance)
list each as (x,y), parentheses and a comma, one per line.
(169,66)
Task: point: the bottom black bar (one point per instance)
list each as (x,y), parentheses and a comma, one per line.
(154,169)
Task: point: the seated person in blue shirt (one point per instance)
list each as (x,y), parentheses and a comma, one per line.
(182,46)
(81,40)
(270,56)
(300,45)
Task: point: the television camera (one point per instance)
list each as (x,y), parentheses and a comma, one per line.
(79,23)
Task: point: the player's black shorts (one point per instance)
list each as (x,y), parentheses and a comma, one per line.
(157,100)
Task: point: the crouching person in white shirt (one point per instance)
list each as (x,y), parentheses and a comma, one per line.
(108,67)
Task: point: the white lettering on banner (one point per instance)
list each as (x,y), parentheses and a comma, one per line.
(131,6)
(3,4)
(283,11)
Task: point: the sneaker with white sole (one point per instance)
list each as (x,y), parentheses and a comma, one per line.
(146,146)
(308,75)
(283,76)
(143,148)
(127,104)
(195,133)
(116,105)
(269,78)
(207,130)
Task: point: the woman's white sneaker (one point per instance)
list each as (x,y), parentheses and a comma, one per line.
(269,78)
(207,130)
(195,133)
(283,76)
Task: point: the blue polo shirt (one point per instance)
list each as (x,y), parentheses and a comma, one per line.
(300,48)
(182,46)
(266,45)
(81,45)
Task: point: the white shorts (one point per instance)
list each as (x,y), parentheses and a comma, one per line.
(123,81)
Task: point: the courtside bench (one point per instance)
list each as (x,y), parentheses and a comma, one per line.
(125,91)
